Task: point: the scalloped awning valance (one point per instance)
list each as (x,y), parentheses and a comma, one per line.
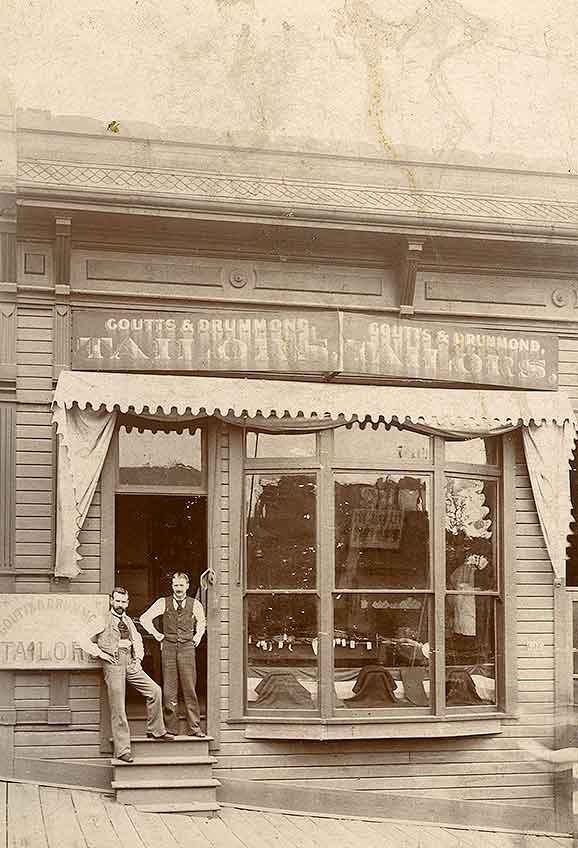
(86,408)
(446,409)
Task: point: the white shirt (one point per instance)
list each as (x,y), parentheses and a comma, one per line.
(159,607)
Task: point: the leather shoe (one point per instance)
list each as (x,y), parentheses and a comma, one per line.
(166,737)
(195,731)
(126,758)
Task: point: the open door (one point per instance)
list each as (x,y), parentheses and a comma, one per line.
(156,535)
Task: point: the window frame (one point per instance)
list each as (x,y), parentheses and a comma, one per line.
(409,722)
(156,488)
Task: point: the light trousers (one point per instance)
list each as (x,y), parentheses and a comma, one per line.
(115,677)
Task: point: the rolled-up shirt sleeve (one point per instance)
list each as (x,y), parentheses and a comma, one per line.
(200,620)
(137,642)
(148,617)
(87,642)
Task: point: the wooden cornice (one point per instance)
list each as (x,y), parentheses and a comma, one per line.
(288,200)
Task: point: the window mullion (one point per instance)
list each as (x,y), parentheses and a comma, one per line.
(326,573)
(439,578)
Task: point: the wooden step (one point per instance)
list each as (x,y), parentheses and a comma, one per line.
(163,769)
(164,761)
(181,746)
(127,783)
(197,792)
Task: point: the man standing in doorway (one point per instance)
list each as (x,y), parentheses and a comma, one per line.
(183,628)
(116,641)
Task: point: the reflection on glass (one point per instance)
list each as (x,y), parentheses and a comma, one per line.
(169,459)
(282,648)
(474,451)
(379,444)
(470,534)
(382,536)
(470,650)
(382,651)
(281,531)
(261,445)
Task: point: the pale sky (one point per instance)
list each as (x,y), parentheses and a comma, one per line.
(479,81)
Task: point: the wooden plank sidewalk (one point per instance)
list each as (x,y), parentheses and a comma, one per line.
(34,816)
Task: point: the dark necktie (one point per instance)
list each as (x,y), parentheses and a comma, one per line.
(123,630)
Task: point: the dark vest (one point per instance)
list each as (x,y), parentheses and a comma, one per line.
(179,625)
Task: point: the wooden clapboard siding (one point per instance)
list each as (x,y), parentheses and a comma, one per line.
(488,768)
(34,538)
(31,690)
(35,444)
(89,539)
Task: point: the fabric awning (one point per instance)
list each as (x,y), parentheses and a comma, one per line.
(446,409)
(87,405)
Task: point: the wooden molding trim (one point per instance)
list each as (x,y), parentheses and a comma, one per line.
(63,228)
(7,484)
(296,198)
(8,257)
(490,725)
(407,275)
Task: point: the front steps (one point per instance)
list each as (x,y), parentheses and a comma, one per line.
(168,776)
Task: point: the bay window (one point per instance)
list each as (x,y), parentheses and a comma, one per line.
(371,583)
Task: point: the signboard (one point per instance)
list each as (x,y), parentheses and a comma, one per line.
(376,528)
(42,631)
(221,340)
(408,349)
(312,342)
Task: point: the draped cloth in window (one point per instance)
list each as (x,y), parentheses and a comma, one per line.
(87,406)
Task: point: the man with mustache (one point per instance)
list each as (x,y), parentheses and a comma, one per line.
(183,628)
(116,641)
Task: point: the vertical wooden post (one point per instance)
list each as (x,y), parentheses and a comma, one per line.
(7,705)
(507,677)
(565,786)
(107,566)
(571,784)
(439,576)
(213,610)
(236,646)
(325,573)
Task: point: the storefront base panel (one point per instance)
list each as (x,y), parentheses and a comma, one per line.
(444,809)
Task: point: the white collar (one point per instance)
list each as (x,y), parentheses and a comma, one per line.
(122,617)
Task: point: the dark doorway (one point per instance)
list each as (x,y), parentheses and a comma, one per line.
(157,535)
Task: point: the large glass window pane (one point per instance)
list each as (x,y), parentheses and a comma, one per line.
(382,535)
(281,531)
(474,451)
(282,650)
(470,534)
(263,445)
(382,651)
(470,650)
(167,459)
(380,444)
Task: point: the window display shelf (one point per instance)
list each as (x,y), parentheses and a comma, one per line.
(481,724)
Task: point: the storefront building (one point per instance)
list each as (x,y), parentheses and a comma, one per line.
(344,407)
